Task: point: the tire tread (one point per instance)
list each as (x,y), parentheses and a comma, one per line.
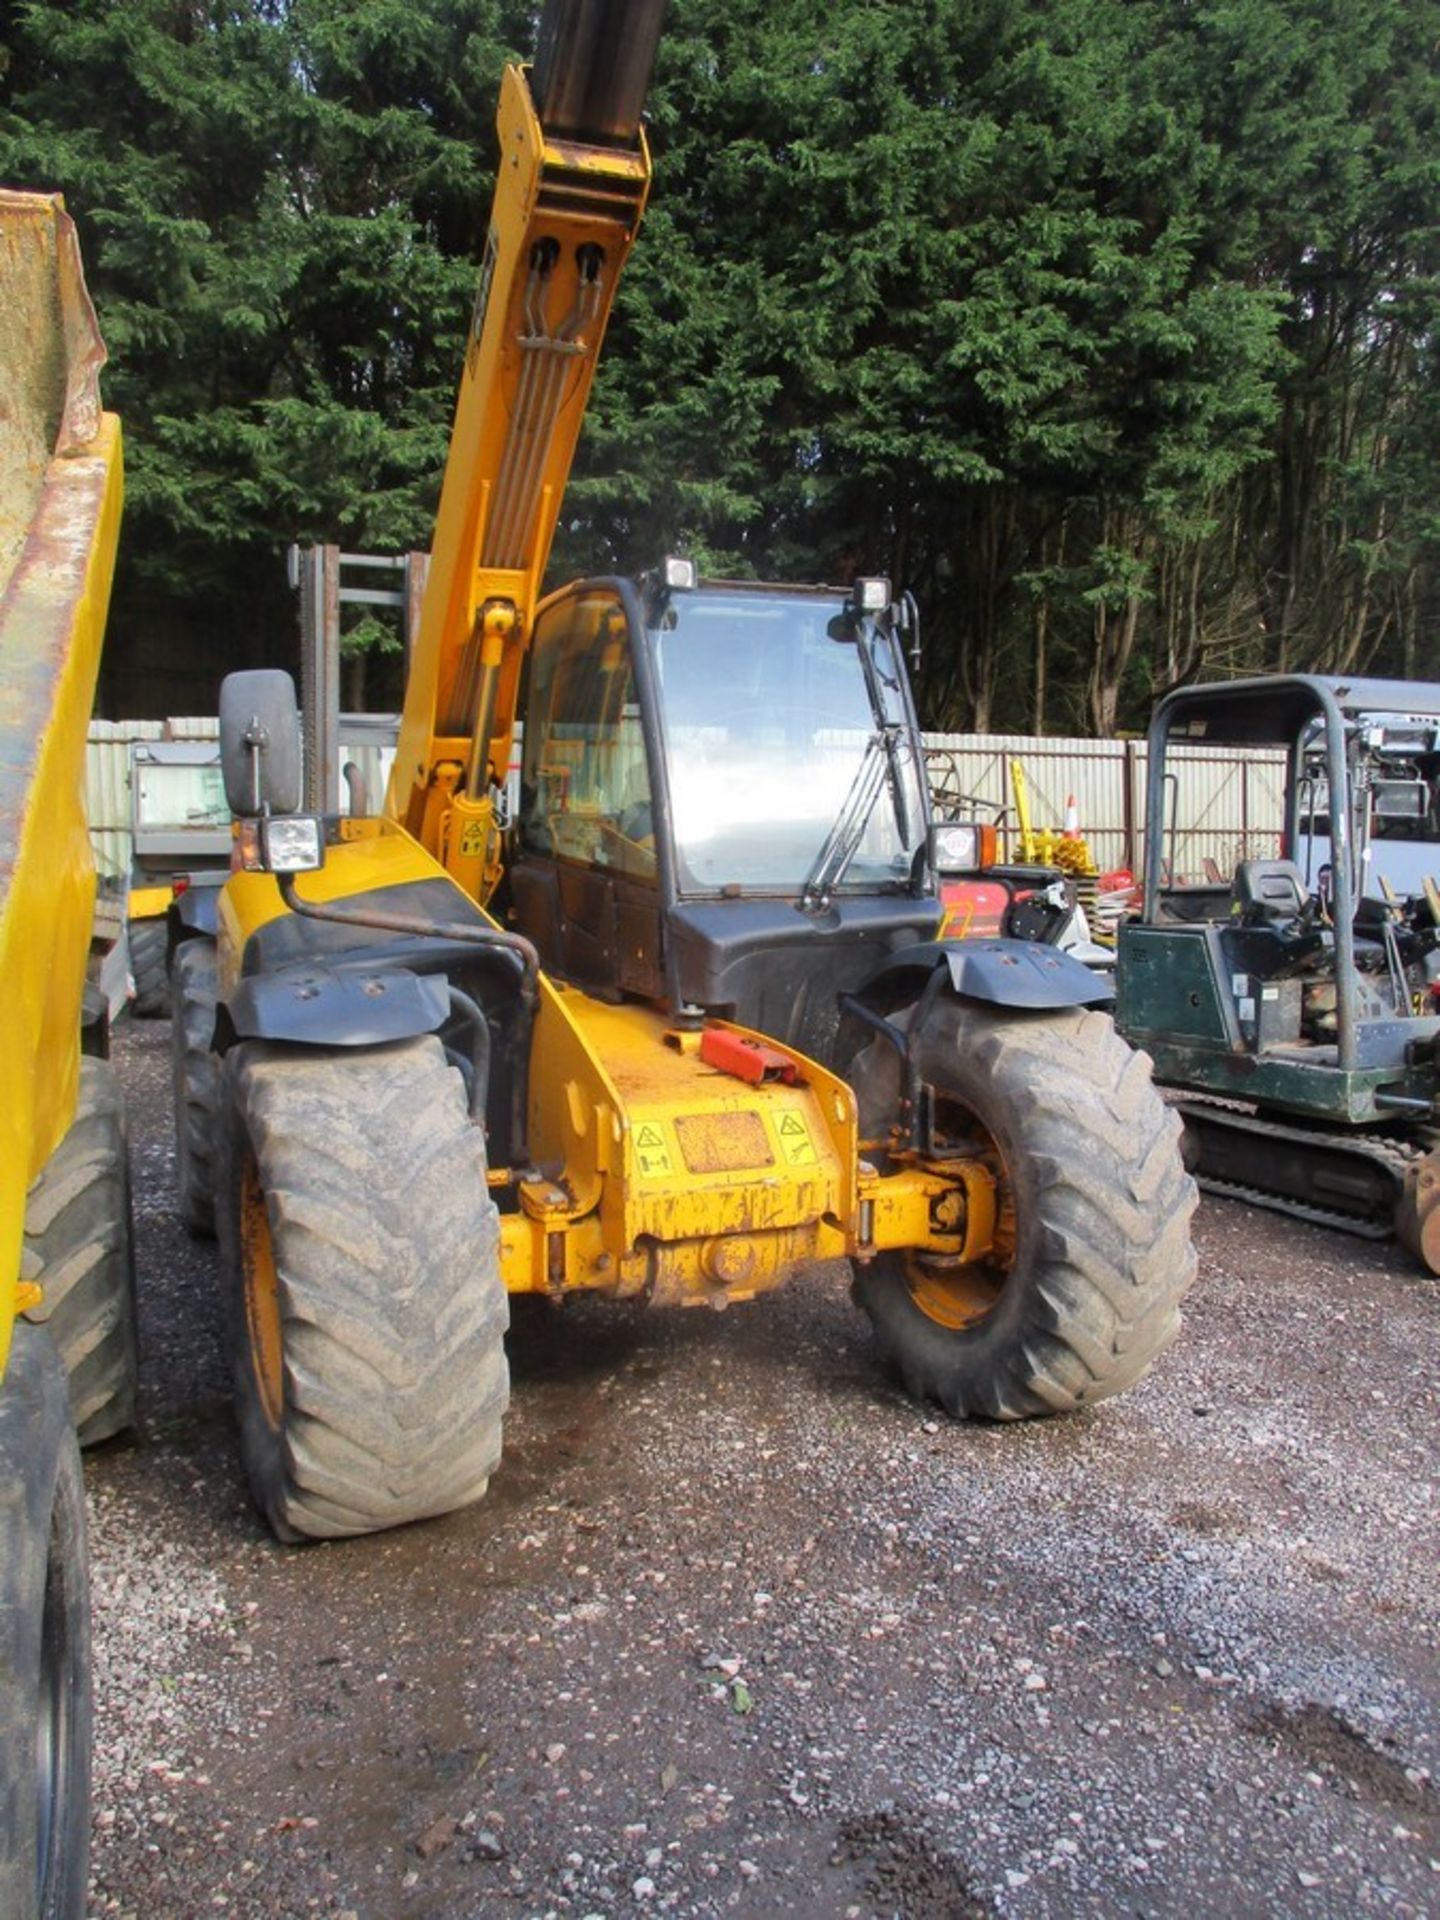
(149,943)
(195,1079)
(393,1311)
(77,1248)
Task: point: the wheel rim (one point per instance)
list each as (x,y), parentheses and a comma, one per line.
(953,1297)
(261,1290)
(52,1729)
(959,1296)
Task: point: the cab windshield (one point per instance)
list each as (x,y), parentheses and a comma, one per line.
(770,725)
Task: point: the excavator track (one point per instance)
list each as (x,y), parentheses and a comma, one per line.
(1353,1181)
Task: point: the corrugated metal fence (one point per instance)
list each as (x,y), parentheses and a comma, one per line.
(1224,805)
(1228,802)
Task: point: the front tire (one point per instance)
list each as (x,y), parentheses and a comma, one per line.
(149,965)
(44,1642)
(360,1252)
(78,1249)
(1092,1255)
(195,1081)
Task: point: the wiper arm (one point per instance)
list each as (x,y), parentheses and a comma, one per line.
(845,836)
(880,766)
(876,680)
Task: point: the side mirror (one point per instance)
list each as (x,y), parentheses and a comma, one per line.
(260,751)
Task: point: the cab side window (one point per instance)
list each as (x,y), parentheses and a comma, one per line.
(585,782)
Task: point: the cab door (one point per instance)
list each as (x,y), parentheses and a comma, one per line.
(584,882)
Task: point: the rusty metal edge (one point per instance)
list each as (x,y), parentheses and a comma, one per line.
(85,352)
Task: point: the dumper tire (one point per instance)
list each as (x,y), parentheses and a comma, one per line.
(78,1250)
(360,1251)
(149,967)
(195,1081)
(45,1708)
(1093,1252)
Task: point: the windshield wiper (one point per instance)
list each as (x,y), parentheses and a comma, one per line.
(876,768)
(880,766)
(895,732)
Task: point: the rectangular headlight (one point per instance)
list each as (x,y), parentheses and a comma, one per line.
(678,574)
(962,846)
(291,843)
(872,595)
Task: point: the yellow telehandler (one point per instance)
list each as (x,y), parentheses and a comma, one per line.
(67,1330)
(675,1024)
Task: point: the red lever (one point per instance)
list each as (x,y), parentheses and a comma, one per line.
(745,1059)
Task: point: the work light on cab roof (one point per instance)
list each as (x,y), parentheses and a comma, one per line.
(871,594)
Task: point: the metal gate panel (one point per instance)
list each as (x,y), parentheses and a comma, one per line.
(1231,804)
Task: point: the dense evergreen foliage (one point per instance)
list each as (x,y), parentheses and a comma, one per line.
(1110,326)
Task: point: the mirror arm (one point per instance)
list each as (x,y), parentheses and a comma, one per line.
(257,740)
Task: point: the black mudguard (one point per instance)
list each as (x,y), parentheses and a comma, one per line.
(1024,974)
(195,911)
(324,1006)
(1020,976)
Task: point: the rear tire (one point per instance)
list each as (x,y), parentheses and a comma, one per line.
(44,1642)
(149,965)
(1093,1251)
(195,1079)
(361,1255)
(78,1250)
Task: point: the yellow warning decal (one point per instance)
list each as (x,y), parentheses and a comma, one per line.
(795,1142)
(650,1149)
(472,840)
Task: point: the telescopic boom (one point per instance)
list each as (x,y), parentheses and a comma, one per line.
(570,188)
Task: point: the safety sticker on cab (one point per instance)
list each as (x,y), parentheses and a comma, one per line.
(650,1149)
(796,1146)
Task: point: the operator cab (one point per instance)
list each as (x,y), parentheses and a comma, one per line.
(722,802)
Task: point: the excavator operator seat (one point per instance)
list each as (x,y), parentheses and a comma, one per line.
(1269,892)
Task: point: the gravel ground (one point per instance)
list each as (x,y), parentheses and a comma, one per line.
(739,1629)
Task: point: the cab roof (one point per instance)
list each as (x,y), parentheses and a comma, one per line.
(1272,711)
